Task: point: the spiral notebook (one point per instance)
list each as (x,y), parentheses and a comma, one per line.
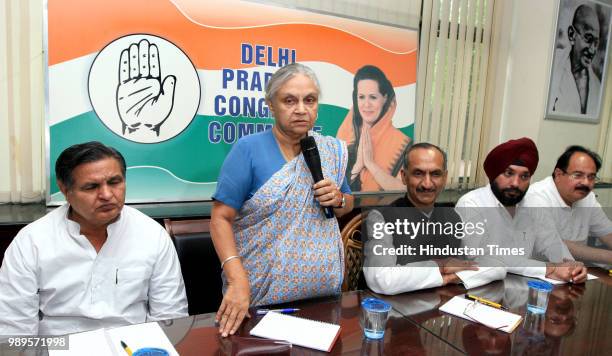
(298,331)
(488,316)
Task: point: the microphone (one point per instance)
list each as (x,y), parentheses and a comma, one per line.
(313,161)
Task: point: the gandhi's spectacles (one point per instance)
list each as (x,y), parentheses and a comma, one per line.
(588,38)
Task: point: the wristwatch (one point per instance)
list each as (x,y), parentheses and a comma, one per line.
(342,203)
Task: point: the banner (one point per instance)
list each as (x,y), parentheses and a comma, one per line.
(172,84)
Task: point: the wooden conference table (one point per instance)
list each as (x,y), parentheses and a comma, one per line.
(197,335)
(578,321)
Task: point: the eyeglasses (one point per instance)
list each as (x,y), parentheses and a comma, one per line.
(472,312)
(588,38)
(581,175)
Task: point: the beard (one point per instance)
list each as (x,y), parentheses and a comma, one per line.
(505,200)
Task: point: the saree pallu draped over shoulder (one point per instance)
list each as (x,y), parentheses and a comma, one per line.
(289,249)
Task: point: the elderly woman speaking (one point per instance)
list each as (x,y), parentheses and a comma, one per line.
(273,240)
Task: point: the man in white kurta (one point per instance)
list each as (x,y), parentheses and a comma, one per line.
(90,263)
(575,212)
(514,234)
(424,174)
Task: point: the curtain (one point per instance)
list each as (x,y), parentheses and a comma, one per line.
(22,150)
(453,60)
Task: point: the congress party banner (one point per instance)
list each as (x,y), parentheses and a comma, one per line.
(173,84)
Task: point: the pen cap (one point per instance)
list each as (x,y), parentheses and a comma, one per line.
(540,285)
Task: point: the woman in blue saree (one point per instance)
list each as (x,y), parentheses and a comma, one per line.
(272,238)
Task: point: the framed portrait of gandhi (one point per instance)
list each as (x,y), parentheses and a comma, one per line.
(580,59)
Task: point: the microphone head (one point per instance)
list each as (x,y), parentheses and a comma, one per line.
(308,143)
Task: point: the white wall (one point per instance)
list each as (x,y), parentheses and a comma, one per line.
(396,12)
(523,44)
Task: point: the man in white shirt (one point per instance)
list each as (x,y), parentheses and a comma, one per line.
(514,233)
(93,262)
(576,212)
(424,174)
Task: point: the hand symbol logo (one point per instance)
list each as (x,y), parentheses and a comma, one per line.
(144,101)
(134,98)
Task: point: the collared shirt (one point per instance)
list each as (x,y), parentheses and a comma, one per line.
(527,230)
(386,275)
(393,278)
(53,282)
(574,223)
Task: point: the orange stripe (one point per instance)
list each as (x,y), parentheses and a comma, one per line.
(234,13)
(209,48)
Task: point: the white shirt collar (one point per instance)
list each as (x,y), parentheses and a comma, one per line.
(74,229)
(552,188)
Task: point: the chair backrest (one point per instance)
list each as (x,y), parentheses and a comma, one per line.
(353,253)
(199,263)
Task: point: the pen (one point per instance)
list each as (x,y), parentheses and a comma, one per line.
(485,302)
(126,348)
(282,311)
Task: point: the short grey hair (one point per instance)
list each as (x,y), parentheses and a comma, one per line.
(425,146)
(281,76)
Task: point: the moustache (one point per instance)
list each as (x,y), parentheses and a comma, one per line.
(423,190)
(588,54)
(512,190)
(583,188)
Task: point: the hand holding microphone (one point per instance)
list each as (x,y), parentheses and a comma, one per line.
(326,192)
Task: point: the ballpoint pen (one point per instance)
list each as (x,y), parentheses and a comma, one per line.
(282,311)
(485,302)
(126,348)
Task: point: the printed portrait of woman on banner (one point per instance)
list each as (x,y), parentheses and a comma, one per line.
(376,148)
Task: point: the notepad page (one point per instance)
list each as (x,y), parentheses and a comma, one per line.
(554,281)
(298,331)
(483,275)
(483,314)
(140,336)
(90,343)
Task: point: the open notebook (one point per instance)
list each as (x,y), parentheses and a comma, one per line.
(483,314)
(108,341)
(298,331)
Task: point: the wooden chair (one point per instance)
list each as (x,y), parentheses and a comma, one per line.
(353,253)
(199,263)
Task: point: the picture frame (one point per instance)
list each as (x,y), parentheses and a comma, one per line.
(580,59)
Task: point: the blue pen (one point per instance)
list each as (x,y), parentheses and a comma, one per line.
(282,311)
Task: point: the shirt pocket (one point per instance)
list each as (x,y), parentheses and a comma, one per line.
(132,283)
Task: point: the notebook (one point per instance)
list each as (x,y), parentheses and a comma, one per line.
(483,314)
(108,341)
(482,276)
(298,331)
(554,281)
